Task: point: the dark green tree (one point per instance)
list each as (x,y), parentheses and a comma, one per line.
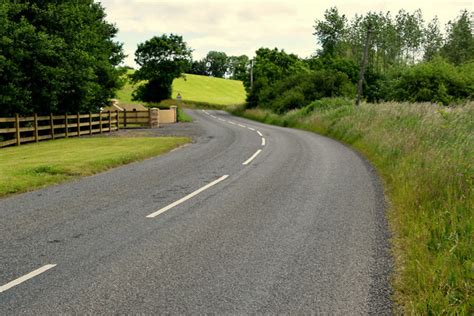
(216,64)
(198,67)
(238,67)
(56,56)
(161,59)
(459,47)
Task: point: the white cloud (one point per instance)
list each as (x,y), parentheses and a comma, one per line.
(242,26)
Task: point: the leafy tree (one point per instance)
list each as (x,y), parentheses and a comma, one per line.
(331,32)
(238,67)
(217,64)
(198,67)
(459,47)
(56,56)
(433,40)
(161,59)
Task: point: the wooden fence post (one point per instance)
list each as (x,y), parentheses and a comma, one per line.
(100,122)
(90,123)
(36,127)
(125,118)
(78,125)
(149,118)
(51,122)
(118,119)
(17,128)
(66,130)
(110,121)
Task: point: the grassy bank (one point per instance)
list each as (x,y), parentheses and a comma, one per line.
(32,166)
(424,154)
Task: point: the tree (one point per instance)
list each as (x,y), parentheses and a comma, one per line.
(198,67)
(161,59)
(433,40)
(331,32)
(238,67)
(217,64)
(56,56)
(459,47)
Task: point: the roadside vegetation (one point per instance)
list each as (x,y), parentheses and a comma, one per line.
(37,165)
(424,154)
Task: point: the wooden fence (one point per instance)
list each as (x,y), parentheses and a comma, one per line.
(18,130)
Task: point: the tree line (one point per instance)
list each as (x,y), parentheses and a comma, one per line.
(62,57)
(408,60)
(56,57)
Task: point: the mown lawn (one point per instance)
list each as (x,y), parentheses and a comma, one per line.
(33,166)
(424,153)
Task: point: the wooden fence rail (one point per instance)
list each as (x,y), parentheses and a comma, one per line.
(18,130)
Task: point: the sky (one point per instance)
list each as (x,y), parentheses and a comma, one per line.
(239,27)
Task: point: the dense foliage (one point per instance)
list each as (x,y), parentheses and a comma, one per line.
(219,65)
(408,61)
(56,56)
(161,59)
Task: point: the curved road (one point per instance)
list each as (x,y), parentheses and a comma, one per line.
(299,228)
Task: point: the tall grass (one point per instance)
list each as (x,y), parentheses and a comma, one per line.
(424,154)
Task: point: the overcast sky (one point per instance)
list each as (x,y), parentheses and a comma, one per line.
(239,27)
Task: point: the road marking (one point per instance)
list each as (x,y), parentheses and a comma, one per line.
(213,116)
(263,141)
(187,197)
(205,112)
(232,123)
(221,120)
(26,277)
(252,129)
(242,126)
(260,134)
(252,158)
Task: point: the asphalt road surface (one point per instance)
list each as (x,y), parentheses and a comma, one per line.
(249,218)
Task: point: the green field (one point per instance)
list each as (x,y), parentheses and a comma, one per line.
(33,166)
(424,154)
(200,89)
(211,90)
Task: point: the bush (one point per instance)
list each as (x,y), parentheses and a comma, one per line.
(436,81)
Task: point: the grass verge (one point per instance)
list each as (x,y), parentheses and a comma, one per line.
(33,166)
(424,154)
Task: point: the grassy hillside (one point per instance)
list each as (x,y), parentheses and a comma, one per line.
(200,89)
(424,154)
(209,90)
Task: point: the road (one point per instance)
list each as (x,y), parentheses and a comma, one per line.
(249,218)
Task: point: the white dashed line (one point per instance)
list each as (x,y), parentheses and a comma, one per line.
(26,277)
(252,158)
(232,123)
(187,197)
(260,134)
(221,120)
(263,141)
(252,129)
(242,126)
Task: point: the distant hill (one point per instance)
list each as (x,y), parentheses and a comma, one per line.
(197,88)
(210,90)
